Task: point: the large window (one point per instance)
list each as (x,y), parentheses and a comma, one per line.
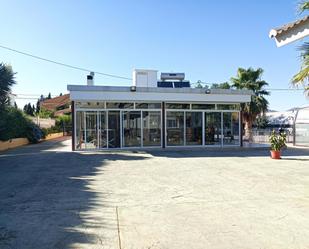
(213,128)
(151,128)
(194,128)
(131,129)
(230,128)
(175,128)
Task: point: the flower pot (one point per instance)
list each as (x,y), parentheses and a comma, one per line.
(275,154)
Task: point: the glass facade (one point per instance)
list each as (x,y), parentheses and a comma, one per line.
(131,129)
(194,128)
(151,128)
(213,134)
(175,128)
(140,125)
(230,128)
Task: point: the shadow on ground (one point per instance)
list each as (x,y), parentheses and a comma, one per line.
(228,152)
(43,194)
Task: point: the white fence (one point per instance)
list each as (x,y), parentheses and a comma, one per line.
(262,135)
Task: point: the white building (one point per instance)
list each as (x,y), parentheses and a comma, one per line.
(155,113)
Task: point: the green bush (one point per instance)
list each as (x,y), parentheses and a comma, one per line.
(15,124)
(277,140)
(43,113)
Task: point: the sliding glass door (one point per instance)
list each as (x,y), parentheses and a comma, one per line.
(131,126)
(151,128)
(102,119)
(194,128)
(231,128)
(213,134)
(91,131)
(113,129)
(175,128)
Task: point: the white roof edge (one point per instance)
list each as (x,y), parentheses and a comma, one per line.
(156,90)
(147,70)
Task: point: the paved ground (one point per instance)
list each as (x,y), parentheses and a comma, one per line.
(53,198)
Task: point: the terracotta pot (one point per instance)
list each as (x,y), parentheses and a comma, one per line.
(275,154)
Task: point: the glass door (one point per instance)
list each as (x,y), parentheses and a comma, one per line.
(175,128)
(102,118)
(131,126)
(113,129)
(213,129)
(91,138)
(230,128)
(194,128)
(151,128)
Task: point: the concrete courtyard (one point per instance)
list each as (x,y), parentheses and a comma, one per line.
(233,198)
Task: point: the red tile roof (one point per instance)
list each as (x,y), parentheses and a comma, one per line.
(276,31)
(54,103)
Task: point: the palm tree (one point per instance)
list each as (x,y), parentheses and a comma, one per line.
(303,6)
(7,80)
(250,79)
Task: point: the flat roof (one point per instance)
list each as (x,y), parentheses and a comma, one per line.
(188,90)
(157,94)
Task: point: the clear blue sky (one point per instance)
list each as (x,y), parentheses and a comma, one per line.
(208,40)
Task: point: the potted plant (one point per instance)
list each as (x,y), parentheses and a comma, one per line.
(277,142)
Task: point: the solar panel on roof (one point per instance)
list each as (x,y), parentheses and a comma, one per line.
(181,84)
(165,84)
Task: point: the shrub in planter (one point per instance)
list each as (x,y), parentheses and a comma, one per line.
(277,142)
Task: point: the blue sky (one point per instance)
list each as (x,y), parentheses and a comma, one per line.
(208,40)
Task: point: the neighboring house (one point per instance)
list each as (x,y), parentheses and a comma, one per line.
(59,105)
(290,32)
(155,113)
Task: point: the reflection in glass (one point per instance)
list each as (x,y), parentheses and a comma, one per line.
(175,128)
(212,128)
(131,129)
(151,128)
(91,130)
(194,126)
(147,105)
(230,128)
(114,129)
(204,106)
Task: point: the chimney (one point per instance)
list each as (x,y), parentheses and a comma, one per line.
(90,79)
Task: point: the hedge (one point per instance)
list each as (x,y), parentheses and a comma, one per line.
(15,124)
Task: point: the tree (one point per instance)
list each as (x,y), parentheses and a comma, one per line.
(224,85)
(60,94)
(38,106)
(250,79)
(7,80)
(301,78)
(303,75)
(28,109)
(49,96)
